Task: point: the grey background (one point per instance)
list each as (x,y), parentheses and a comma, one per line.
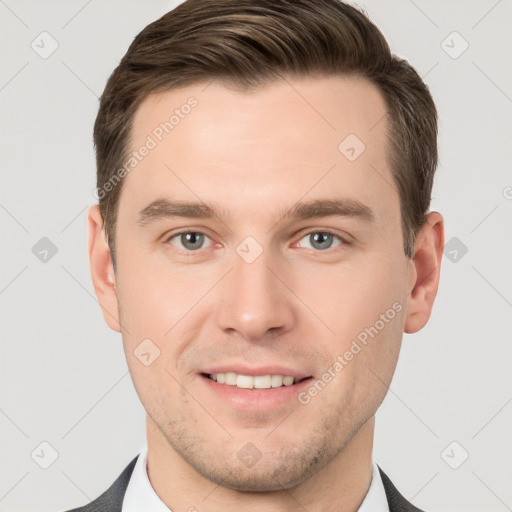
(64,379)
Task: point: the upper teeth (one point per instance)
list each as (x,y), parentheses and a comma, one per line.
(249,382)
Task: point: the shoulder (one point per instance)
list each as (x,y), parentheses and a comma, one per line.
(112,499)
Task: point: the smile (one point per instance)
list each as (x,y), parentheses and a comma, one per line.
(253,382)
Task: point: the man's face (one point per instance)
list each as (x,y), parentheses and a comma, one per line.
(257,292)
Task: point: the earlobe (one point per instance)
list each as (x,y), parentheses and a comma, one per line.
(102,270)
(424,281)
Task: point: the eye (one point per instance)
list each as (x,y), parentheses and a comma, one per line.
(322,240)
(189,240)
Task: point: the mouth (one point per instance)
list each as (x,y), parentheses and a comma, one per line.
(263,389)
(255,382)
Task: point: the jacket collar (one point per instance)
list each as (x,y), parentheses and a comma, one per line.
(112,499)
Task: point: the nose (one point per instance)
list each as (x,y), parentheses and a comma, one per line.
(254,300)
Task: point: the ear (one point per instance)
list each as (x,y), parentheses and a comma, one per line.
(102,270)
(425,271)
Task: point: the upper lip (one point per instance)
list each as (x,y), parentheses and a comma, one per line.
(257,370)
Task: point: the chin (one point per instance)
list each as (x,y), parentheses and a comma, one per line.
(272,471)
(268,478)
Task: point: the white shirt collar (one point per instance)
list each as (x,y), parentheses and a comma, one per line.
(141,496)
(375,499)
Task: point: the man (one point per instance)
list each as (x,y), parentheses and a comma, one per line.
(262,242)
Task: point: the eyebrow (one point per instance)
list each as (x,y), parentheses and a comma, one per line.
(165,208)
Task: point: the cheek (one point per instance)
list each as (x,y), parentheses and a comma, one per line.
(353,298)
(362,362)
(365,307)
(152,299)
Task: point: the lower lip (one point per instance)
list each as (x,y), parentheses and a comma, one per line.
(257,399)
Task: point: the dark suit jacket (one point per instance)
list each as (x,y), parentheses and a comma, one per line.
(112,499)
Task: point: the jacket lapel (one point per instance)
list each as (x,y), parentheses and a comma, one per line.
(396,502)
(112,499)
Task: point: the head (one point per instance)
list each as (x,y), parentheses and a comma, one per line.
(309,152)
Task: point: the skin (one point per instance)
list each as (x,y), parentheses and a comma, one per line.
(256,154)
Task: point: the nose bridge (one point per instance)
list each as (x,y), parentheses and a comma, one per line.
(254,300)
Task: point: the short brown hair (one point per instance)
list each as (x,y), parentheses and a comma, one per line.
(249,43)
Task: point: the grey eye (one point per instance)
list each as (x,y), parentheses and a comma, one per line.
(321,240)
(191,240)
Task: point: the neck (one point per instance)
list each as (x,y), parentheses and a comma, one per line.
(339,486)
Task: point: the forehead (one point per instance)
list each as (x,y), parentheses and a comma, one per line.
(296,137)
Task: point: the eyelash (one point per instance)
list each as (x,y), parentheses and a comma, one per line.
(344,241)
